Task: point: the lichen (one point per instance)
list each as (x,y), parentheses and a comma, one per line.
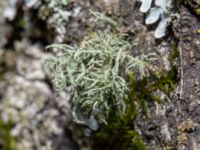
(96,72)
(162,12)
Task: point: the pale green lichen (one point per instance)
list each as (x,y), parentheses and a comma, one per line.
(97,16)
(96,72)
(163,11)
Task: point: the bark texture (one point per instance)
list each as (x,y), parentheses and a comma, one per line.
(189,103)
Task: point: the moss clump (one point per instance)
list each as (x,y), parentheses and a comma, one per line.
(119,133)
(165,82)
(119,136)
(7,142)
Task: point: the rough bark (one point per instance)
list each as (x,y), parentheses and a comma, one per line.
(189,110)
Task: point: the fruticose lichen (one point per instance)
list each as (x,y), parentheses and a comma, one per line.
(97,73)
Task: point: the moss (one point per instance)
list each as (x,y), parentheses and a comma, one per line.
(165,82)
(20,24)
(119,133)
(7,142)
(119,137)
(144,88)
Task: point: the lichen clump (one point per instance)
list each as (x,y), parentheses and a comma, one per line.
(163,11)
(96,72)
